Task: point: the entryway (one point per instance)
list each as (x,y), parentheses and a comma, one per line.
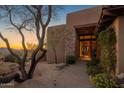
(85,42)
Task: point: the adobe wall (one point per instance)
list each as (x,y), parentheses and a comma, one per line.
(59,44)
(83,17)
(119,28)
(116,29)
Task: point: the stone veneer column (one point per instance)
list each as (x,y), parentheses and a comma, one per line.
(70,40)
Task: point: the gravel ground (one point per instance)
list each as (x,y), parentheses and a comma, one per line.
(7,67)
(58,76)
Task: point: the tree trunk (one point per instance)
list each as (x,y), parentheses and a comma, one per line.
(34,63)
(32,68)
(41,40)
(14,76)
(23,72)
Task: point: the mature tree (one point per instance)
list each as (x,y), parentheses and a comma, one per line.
(36,16)
(19,26)
(42,17)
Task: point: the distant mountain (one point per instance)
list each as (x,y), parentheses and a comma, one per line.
(4,51)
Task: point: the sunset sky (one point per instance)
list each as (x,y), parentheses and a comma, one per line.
(14,37)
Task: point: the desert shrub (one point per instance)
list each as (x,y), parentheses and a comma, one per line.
(70,59)
(104,80)
(9,58)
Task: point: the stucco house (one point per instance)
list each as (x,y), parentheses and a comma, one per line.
(77,38)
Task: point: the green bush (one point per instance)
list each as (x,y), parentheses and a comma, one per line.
(103,80)
(93,67)
(71,59)
(10,58)
(92,70)
(107,42)
(95,62)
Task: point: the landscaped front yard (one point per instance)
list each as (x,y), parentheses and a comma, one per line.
(57,76)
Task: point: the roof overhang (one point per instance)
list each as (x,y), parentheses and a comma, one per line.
(108,15)
(88,29)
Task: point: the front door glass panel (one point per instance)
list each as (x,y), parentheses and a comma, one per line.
(87,46)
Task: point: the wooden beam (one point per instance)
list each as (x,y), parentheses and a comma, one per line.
(87,34)
(88,39)
(105,12)
(84,34)
(107,20)
(115,8)
(91,46)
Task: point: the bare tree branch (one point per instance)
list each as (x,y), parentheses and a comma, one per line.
(10,19)
(37,25)
(8,47)
(24,23)
(40,45)
(37,7)
(28,29)
(19,30)
(30,10)
(49,15)
(36,20)
(42,55)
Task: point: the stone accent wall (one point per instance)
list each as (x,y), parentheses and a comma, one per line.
(70,40)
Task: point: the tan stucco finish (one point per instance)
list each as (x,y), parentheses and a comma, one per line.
(116,28)
(119,28)
(59,45)
(83,17)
